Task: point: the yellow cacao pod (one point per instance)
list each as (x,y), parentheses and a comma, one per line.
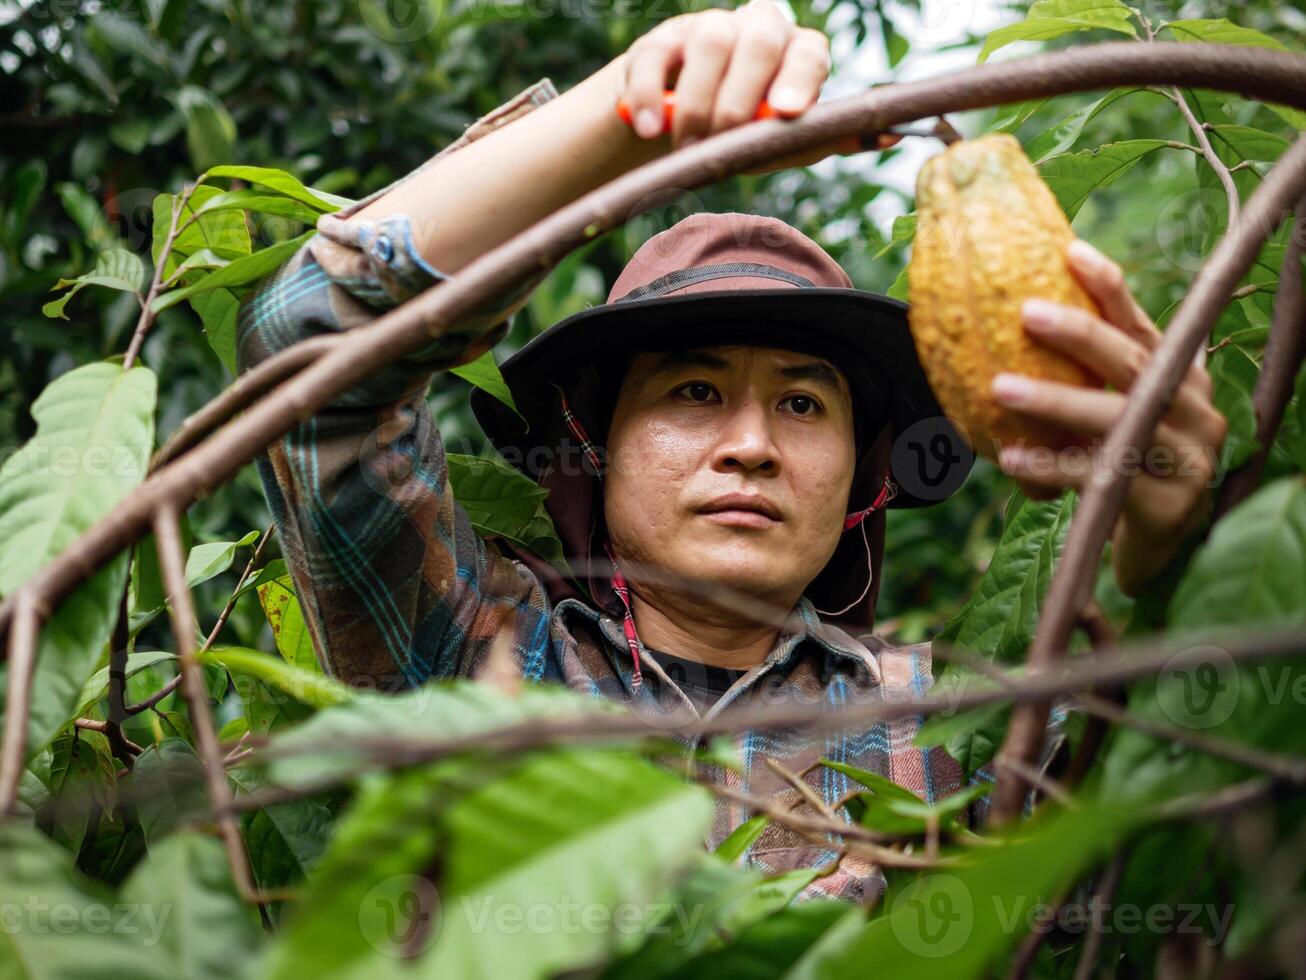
(989,235)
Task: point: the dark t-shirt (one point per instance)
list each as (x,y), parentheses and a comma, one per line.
(702,683)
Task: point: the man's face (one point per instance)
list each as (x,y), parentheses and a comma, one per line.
(731,464)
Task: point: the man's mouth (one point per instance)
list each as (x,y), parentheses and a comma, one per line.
(741,510)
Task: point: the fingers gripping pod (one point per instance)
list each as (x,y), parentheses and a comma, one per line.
(850,144)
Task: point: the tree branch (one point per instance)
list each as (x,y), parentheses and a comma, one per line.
(23,631)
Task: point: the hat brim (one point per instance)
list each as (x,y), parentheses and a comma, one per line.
(864,334)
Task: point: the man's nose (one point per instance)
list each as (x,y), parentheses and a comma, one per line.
(746,440)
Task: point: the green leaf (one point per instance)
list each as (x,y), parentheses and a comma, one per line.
(1252,568)
(502,502)
(312,688)
(1064,134)
(89,216)
(208,930)
(115,268)
(40,891)
(285,840)
(959,923)
(223,233)
(97,685)
(1222,31)
(286,618)
(1073,176)
(208,561)
(241,272)
(484,373)
(257,201)
(1048,19)
(326,745)
(283,183)
(877,784)
(540,837)
(740,839)
(210,130)
(94,433)
(999,620)
(168,786)
(217,310)
(904,231)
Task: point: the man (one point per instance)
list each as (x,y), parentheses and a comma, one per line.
(716,439)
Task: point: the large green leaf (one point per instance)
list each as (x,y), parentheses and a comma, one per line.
(284,840)
(1048,19)
(282,183)
(94,433)
(209,931)
(1064,134)
(502,502)
(1252,569)
(222,232)
(958,923)
(999,620)
(58,927)
(325,745)
(1074,176)
(1233,378)
(537,842)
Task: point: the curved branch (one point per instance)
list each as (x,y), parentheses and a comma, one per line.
(1103,497)
(1270,75)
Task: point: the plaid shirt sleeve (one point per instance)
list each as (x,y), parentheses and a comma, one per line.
(395,584)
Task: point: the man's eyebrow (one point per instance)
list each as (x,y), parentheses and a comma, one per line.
(676,359)
(815,371)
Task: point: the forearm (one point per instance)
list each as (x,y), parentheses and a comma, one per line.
(469,202)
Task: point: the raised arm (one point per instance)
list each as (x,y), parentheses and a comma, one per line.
(395,584)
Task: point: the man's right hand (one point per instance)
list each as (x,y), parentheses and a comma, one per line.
(725,62)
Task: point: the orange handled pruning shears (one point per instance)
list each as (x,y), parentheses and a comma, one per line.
(849,144)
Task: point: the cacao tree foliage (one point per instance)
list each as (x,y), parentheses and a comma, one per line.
(195,142)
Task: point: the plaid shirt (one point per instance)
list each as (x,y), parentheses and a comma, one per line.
(397,588)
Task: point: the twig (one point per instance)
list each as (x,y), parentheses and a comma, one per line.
(1102,898)
(1284,768)
(171,685)
(1271,75)
(1212,158)
(1104,494)
(129,748)
(818,829)
(172,565)
(1041,781)
(23,632)
(809,795)
(1284,350)
(147,317)
(1200,806)
(120,745)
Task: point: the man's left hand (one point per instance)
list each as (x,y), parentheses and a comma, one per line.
(1170,493)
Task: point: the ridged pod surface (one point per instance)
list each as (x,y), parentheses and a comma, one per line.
(989,235)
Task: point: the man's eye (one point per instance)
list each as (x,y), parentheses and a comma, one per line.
(802,405)
(698,391)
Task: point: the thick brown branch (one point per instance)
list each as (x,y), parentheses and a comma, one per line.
(1284,350)
(1270,75)
(1104,494)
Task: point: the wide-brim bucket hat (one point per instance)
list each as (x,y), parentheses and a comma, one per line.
(733,279)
